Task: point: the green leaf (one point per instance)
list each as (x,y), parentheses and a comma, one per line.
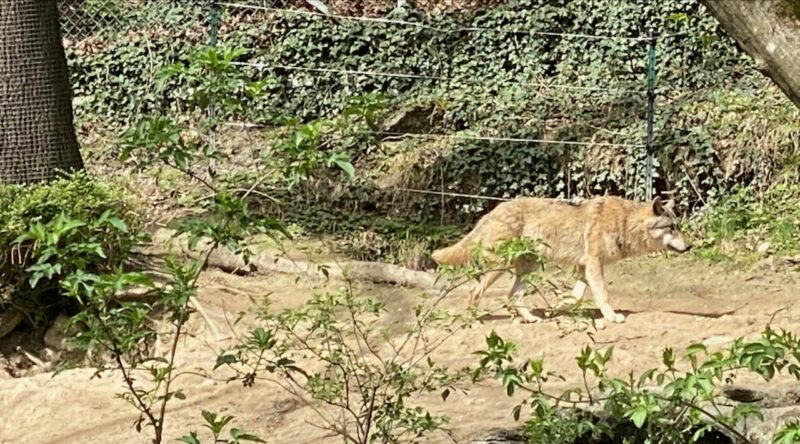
(242,436)
(225,360)
(190,438)
(638,417)
(516,412)
(445,394)
(347,167)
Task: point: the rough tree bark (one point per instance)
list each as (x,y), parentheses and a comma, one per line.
(37,134)
(769,31)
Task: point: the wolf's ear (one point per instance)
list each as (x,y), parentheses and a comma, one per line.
(658,207)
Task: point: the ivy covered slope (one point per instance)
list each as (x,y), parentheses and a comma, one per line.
(719,123)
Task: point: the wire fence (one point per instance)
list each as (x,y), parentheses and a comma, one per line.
(86,18)
(81,19)
(647,90)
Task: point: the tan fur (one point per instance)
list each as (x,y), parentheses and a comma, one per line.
(587,234)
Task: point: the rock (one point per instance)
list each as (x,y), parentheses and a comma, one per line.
(57,336)
(743,394)
(415,119)
(501,436)
(768,263)
(763,431)
(763,248)
(763,396)
(792,260)
(5,368)
(9,320)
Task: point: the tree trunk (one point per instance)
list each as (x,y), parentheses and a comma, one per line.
(769,31)
(37,134)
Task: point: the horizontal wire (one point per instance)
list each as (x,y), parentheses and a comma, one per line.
(433,28)
(574,200)
(247,125)
(444,193)
(344,17)
(510,139)
(424,77)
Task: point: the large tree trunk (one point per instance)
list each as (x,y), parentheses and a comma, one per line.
(769,31)
(37,134)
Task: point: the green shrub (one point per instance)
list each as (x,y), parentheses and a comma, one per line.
(751,221)
(48,231)
(676,402)
(708,112)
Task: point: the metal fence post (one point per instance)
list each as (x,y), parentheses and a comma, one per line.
(212,137)
(651,101)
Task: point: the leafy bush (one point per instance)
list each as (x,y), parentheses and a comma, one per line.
(701,73)
(216,424)
(366,380)
(750,221)
(674,403)
(49,231)
(709,107)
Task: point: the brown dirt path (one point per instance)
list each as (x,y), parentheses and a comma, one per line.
(669,302)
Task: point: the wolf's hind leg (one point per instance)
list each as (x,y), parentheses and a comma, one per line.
(483,284)
(522,267)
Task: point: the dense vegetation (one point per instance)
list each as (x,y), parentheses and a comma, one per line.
(725,142)
(713,131)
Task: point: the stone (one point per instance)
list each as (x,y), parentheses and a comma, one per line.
(9,320)
(501,436)
(56,336)
(413,119)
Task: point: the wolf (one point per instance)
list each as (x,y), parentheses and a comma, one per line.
(586,234)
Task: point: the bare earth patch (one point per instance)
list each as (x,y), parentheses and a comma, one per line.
(670,302)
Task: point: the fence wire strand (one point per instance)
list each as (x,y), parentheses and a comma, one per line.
(250,125)
(424,26)
(269,66)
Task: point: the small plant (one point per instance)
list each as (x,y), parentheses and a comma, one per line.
(664,404)
(763,223)
(123,332)
(227,221)
(312,147)
(216,425)
(364,379)
(120,333)
(335,351)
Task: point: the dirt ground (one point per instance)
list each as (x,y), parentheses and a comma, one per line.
(670,301)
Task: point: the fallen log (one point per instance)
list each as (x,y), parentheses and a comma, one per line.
(265,263)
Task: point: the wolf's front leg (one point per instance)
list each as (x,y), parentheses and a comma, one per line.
(597,282)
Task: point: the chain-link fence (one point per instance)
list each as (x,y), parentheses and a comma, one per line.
(84,18)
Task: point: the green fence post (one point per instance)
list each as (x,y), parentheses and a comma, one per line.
(212,137)
(651,101)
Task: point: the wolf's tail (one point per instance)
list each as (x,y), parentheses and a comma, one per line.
(459,253)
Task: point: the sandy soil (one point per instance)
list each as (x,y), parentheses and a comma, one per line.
(669,302)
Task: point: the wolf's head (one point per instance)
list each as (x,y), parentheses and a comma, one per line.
(662,228)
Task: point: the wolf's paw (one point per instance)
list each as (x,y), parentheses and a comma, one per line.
(529,320)
(617,318)
(611,316)
(526,317)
